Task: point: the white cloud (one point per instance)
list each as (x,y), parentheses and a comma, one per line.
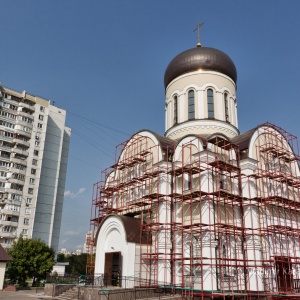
(79,247)
(70,232)
(73,195)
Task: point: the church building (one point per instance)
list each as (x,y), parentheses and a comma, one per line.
(204,210)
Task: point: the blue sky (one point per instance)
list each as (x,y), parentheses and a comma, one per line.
(104,62)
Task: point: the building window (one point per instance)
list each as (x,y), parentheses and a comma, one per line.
(8,229)
(40,126)
(226,107)
(210,103)
(3,174)
(17,187)
(34,162)
(15,197)
(175,110)
(8,134)
(33,171)
(28,200)
(25,231)
(31,180)
(41,117)
(191,104)
(30,190)
(26,221)
(36,143)
(36,152)
(12,207)
(42,108)
(27,211)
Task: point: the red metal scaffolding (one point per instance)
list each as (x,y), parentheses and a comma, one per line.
(220,222)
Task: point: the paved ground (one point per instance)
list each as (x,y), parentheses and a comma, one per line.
(26,294)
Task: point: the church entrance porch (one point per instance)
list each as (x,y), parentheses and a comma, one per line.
(113,268)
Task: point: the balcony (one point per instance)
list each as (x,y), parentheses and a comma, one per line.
(17,181)
(18,171)
(6,138)
(27,106)
(24,113)
(24,133)
(10,101)
(6,246)
(5,148)
(13,191)
(10,120)
(21,152)
(18,161)
(10,212)
(21,142)
(8,223)
(5,158)
(30,125)
(7,234)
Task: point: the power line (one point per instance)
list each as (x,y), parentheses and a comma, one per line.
(99,124)
(87,163)
(95,145)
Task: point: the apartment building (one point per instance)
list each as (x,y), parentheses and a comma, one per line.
(34,146)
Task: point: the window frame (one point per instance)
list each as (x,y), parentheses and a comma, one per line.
(226,107)
(191,105)
(175,109)
(210,104)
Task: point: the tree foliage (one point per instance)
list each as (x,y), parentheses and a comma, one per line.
(77,263)
(31,258)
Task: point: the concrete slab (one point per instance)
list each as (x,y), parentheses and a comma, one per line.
(24,294)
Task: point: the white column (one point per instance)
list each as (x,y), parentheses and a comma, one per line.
(253,246)
(200,104)
(181,108)
(166,116)
(219,106)
(235,114)
(208,244)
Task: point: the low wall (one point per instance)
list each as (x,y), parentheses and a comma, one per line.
(54,290)
(97,293)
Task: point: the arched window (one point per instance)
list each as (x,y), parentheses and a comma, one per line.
(191,103)
(226,107)
(175,110)
(210,103)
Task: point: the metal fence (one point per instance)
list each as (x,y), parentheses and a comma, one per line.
(105,280)
(64,279)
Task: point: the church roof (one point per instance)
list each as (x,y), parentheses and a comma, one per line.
(204,58)
(4,257)
(243,140)
(132,227)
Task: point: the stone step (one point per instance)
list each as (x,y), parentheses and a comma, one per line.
(10,288)
(69,294)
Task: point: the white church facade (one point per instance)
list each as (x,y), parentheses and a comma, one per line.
(203,209)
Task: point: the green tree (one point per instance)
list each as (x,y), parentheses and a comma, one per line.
(61,257)
(31,258)
(77,264)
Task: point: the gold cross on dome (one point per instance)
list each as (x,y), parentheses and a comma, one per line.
(198,28)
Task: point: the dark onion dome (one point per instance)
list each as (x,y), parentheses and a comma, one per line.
(209,59)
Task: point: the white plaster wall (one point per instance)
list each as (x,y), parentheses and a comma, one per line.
(112,238)
(2,274)
(60,270)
